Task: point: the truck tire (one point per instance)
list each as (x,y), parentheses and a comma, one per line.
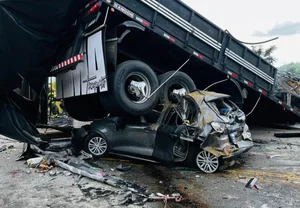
(179,81)
(84,108)
(123,98)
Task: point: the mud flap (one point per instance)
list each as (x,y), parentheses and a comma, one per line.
(14,125)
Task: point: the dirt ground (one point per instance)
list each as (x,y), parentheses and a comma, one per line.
(273,161)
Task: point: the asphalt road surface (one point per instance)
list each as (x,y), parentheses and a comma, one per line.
(273,161)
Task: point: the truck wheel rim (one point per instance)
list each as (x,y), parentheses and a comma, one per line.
(97,146)
(173,87)
(138,87)
(207,162)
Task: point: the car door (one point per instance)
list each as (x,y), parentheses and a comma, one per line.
(136,139)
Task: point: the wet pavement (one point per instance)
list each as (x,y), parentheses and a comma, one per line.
(273,161)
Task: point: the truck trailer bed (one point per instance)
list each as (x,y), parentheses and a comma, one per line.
(187,29)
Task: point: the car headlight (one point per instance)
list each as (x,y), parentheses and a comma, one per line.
(218,127)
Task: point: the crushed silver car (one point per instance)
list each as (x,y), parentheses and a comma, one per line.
(201,129)
(223,132)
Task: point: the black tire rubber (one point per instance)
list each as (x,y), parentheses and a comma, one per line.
(116,100)
(87,140)
(179,78)
(78,137)
(190,161)
(85,108)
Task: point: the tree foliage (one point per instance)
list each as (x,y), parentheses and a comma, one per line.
(293,68)
(266,54)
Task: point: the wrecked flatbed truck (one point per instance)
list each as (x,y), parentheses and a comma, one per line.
(122,51)
(204,129)
(117,57)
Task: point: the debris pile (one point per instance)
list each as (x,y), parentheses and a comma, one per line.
(63,120)
(287,88)
(41,164)
(121,191)
(287,82)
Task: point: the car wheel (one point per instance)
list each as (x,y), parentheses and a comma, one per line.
(96,145)
(84,108)
(180,81)
(207,162)
(130,86)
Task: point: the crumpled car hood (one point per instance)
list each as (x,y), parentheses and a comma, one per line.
(198,96)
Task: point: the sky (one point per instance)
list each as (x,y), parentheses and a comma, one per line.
(258,20)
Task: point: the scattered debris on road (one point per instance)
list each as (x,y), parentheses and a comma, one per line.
(287,134)
(122,167)
(252,183)
(52,173)
(67,173)
(229,197)
(272,156)
(125,191)
(4,148)
(35,162)
(175,196)
(276,170)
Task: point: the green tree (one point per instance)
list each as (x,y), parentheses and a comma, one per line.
(291,67)
(292,70)
(266,54)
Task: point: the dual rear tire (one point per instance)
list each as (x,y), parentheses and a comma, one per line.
(130,92)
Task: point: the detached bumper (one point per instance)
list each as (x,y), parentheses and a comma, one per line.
(243,146)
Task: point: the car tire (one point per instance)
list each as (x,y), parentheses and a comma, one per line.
(84,108)
(121,100)
(178,81)
(207,162)
(96,145)
(192,159)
